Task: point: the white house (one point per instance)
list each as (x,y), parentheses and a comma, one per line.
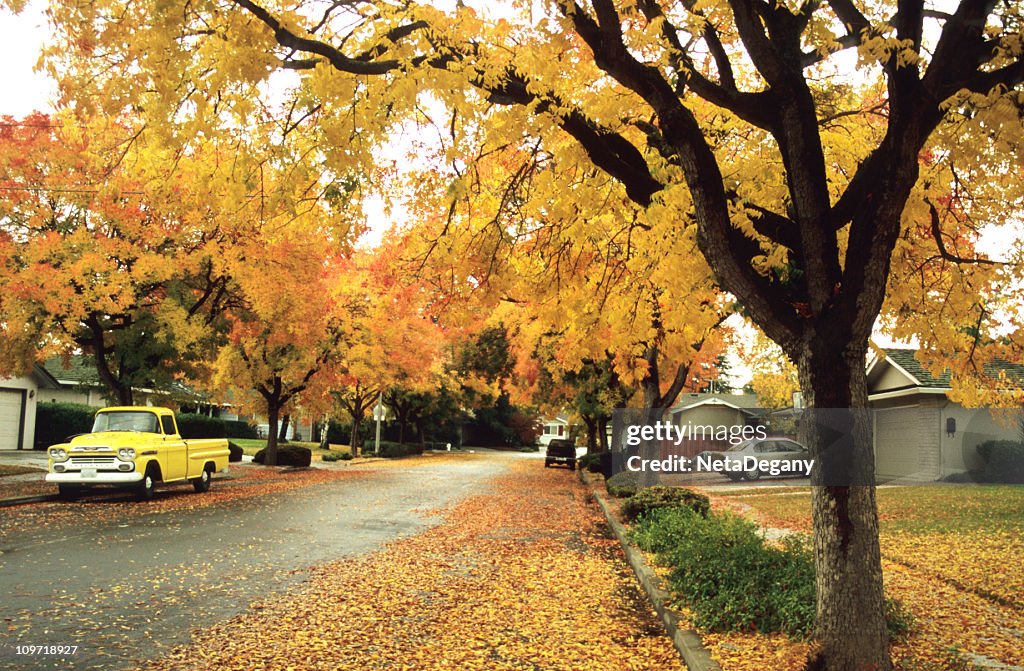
(554,427)
(18,399)
(920,434)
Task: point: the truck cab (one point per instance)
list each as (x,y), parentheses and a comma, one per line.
(134,447)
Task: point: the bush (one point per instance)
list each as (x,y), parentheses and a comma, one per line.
(653,498)
(191,425)
(590,461)
(335,456)
(56,422)
(390,449)
(1004,461)
(623,484)
(346,456)
(732,579)
(288,455)
(235,452)
(528,448)
(236,428)
(726,573)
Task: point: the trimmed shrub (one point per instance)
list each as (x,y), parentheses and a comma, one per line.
(725,572)
(733,580)
(390,449)
(331,456)
(653,498)
(346,456)
(56,422)
(1004,461)
(191,425)
(287,455)
(623,484)
(236,428)
(235,452)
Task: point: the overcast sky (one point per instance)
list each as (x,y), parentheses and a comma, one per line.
(21,37)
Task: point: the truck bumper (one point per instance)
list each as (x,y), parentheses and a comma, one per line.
(100,478)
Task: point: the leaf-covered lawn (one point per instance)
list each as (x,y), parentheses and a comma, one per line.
(952,556)
(523,576)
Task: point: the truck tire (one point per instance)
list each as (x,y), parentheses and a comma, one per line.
(69,492)
(144,490)
(202,483)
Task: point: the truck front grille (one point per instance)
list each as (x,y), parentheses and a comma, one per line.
(91,461)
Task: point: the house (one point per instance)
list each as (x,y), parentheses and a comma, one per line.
(554,427)
(720,412)
(920,434)
(18,399)
(79,382)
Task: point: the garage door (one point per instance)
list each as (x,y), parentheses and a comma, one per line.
(10,419)
(898,439)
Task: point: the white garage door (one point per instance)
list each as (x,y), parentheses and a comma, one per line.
(10,419)
(898,442)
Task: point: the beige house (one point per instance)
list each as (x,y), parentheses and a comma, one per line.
(18,399)
(920,434)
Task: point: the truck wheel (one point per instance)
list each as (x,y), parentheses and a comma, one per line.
(202,483)
(144,490)
(69,492)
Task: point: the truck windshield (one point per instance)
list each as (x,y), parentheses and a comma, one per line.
(125,421)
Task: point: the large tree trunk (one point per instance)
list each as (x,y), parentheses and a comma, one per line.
(850,624)
(602,433)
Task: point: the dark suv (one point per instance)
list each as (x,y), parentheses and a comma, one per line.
(561,451)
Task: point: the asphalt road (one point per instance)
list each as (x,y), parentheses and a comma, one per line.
(131,590)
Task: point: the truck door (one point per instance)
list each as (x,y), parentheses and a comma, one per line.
(175,450)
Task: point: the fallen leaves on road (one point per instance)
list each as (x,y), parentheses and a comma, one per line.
(247,481)
(521,577)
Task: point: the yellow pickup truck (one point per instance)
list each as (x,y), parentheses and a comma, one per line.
(134,447)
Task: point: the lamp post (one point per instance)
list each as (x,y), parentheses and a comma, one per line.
(378,415)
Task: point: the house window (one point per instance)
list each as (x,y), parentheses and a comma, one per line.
(561,429)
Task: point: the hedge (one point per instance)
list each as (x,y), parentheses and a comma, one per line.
(287,455)
(1004,461)
(236,428)
(56,422)
(654,498)
(391,449)
(191,425)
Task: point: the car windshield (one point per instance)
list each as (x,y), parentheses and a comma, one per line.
(125,421)
(739,447)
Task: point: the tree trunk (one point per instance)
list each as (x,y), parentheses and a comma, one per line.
(850,623)
(273,410)
(323,433)
(354,434)
(283,436)
(591,423)
(602,433)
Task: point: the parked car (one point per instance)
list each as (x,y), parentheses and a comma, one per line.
(791,457)
(136,448)
(561,451)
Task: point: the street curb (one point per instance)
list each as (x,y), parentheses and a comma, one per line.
(18,500)
(686,641)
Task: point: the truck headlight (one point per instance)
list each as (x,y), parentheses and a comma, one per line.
(58,453)
(126,454)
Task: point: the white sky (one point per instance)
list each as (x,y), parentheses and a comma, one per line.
(21,38)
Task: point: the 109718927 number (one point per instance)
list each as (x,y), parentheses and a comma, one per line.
(45,649)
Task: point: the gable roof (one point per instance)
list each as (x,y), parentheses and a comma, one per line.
(746,403)
(76,370)
(905,361)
